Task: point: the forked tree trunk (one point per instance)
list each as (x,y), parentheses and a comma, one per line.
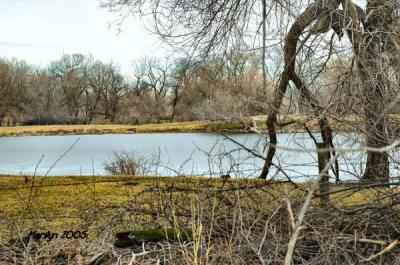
(369,43)
(312,13)
(305,19)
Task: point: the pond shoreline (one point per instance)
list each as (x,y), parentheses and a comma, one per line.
(297,126)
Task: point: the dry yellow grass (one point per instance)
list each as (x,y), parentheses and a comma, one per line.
(195,126)
(103,129)
(296,121)
(347,123)
(219,211)
(56,203)
(59,203)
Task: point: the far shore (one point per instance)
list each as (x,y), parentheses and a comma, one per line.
(289,124)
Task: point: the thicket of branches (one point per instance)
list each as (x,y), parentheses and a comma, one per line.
(310,36)
(80,89)
(229,223)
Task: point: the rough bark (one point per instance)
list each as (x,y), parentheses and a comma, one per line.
(323,160)
(369,45)
(377,166)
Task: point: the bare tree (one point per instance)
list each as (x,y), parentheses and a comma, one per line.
(113,92)
(93,92)
(372,36)
(180,79)
(104,86)
(375,40)
(15,78)
(209,27)
(156,76)
(45,99)
(71,72)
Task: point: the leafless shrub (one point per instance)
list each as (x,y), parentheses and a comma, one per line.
(129,164)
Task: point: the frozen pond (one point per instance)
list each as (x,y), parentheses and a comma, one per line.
(172,154)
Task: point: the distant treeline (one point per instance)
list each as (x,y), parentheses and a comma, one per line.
(78,89)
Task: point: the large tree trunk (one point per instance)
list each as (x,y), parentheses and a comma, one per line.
(373,84)
(369,48)
(294,34)
(312,13)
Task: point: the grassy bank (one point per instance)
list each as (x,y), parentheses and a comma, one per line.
(228,221)
(58,202)
(290,123)
(197,126)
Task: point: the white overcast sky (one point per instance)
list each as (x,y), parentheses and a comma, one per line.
(40,31)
